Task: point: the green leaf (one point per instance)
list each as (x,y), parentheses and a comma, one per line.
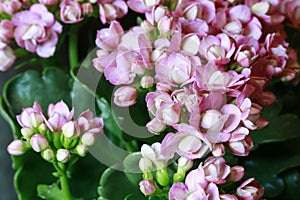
(32,171)
(281,127)
(292,185)
(267,162)
(49,192)
(114,185)
(49,87)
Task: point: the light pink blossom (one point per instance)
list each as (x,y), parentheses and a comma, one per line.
(6,31)
(7,58)
(31,117)
(37,30)
(216,170)
(10,6)
(16,148)
(38,142)
(48,2)
(110,10)
(125,96)
(70,11)
(250,189)
(147,187)
(142,6)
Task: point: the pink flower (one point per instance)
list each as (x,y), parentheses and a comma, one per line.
(37,30)
(31,117)
(176,69)
(187,142)
(154,154)
(217,48)
(142,6)
(17,148)
(250,190)
(216,170)
(125,96)
(109,38)
(110,10)
(292,9)
(195,187)
(38,142)
(155,126)
(240,147)
(247,51)
(63,155)
(48,2)
(236,173)
(86,122)
(147,187)
(7,58)
(6,31)
(70,12)
(10,6)
(87,8)
(58,114)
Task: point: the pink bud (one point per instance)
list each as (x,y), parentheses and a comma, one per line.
(228,197)
(16,148)
(190,43)
(38,142)
(10,6)
(147,82)
(63,155)
(185,164)
(145,164)
(7,58)
(125,96)
(250,189)
(6,31)
(155,126)
(87,8)
(218,150)
(68,129)
(48,2)
(241,147)
(109,38)
(236,173)
(147,187)
(88,138)
(70,12)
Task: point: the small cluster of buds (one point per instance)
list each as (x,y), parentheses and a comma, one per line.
(57,137)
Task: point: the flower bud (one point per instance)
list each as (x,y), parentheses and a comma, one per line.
(236,173)
(147,82)
(42,128)
(87,8)
(162,176)
(125,96)
(17,148)
(68,129)
(155,126)
(70,11)
(63,155)
(7,58)
(88,139)
(218,150)
(48,2)
(26,132)
(250,189)
(147,187)
(81,150)
(190,44)
(38,142)
(48,155)
(185,164)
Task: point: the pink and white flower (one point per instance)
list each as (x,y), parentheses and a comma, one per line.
(70,11)
(37,30)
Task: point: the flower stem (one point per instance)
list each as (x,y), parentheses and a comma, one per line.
(65,186)
(73,46)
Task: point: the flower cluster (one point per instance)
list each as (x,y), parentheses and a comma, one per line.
(35,28)
(57,137)
(205,66)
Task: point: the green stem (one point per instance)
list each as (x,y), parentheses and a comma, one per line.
(65,187)
(61,170)
(73,47)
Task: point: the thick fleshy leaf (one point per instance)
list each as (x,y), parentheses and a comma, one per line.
(114,185)
(266,164)
(49,87)
(281,127)
(49,192)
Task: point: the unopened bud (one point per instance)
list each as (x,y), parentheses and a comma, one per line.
(236,173)
(17,148)
(38,142)
(48,155)
(88,139)
(145,164)
(82,150)
(218,150)
(184,164)
(63,155)
(162,176)
(147,187)
(147,82)
(27,132)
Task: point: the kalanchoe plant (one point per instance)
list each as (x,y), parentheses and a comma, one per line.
(58,138)
(208,86)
